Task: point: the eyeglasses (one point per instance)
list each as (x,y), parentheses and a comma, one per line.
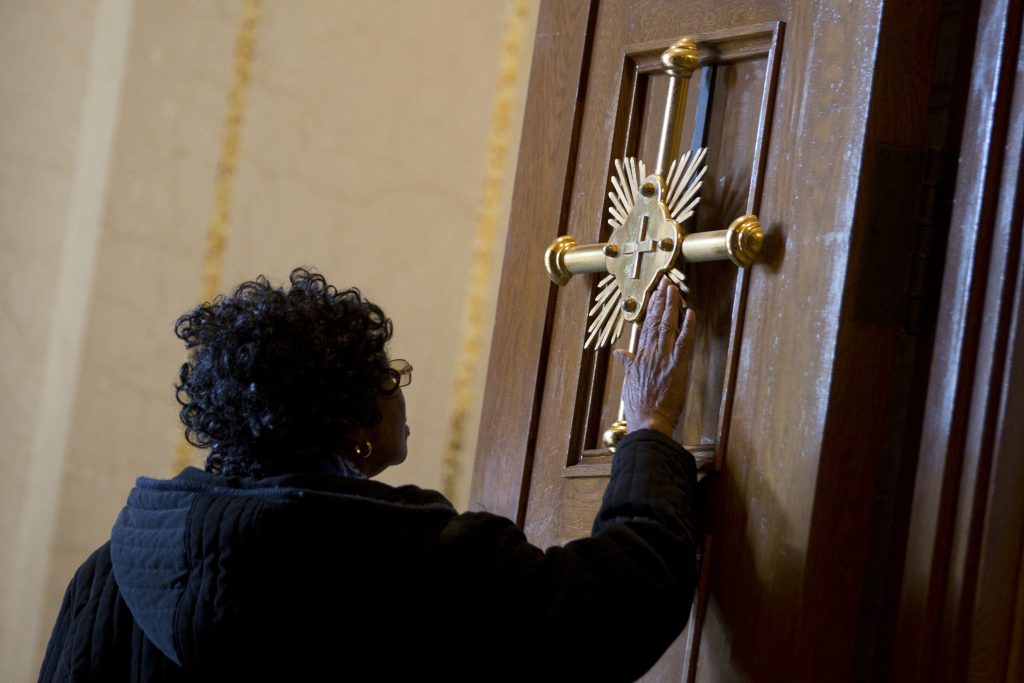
(404,370)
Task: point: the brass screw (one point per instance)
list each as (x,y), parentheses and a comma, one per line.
(629,304)
(611,250)
(647,190)
(666,244)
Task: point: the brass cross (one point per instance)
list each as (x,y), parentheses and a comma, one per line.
(642,204)
(639,248)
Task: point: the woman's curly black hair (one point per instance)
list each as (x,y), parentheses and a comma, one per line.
(276,378)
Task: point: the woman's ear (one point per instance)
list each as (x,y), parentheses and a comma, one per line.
(354,435)
(358,443)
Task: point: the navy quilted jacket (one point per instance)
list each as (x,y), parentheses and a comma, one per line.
(317,577)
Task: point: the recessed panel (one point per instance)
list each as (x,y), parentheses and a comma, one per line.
(726,110)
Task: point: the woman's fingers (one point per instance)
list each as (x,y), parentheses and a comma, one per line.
(649,331)
(686,339)
(656,375)
(661,324)
(668,328)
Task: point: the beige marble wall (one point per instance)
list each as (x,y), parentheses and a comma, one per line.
(62,66)
(365,155)
(363,151)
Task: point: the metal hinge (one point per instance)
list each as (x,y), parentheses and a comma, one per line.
(934,206)
(900,269)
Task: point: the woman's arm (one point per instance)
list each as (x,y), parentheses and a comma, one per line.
(604,607)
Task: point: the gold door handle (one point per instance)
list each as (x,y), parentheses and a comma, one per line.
(740,243)
(648,241)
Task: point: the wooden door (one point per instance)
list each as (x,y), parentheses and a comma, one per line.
(817,113)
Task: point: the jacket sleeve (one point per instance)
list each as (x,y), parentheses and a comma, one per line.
(95,637)
(604,607)
(54,666)
(83,637)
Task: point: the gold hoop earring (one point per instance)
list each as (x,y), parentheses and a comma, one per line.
(368,448)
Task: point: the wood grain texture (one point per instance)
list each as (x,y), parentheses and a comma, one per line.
(840,536)
(518,352)
(959,612)
(793,504)
(603,130)
(793,515)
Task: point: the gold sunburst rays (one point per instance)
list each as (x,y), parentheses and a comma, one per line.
(685,177)
(626,182)
(609,314)
(683,182)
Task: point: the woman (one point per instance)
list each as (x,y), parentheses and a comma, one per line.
(284,561)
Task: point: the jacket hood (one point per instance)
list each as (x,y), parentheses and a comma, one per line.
(147,549)
(198,557)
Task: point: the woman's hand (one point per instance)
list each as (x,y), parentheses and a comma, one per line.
(656,376)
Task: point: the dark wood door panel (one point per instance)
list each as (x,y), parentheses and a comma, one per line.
(790,386)
(735,120)
(581,387)
(519,351)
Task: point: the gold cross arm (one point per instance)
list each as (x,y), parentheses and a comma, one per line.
(647,212)
(740,243)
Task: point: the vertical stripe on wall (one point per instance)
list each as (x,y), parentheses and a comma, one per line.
(223,189)
(30,567)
